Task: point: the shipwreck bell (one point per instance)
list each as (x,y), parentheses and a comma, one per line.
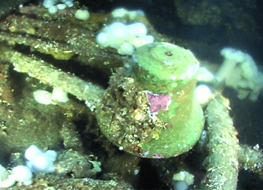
(150,108)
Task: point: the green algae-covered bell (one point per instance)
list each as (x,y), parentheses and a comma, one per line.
(149,108)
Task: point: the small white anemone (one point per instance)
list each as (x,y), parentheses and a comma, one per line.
(202,93)
(43,97)
(232,57)
(82,14)
(23,174)
(58,94)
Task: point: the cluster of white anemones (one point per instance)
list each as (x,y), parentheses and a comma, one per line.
(37,161)
(240,72)
(54,5)
(124,37)
(46,97)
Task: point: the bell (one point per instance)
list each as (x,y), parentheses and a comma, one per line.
(150,108)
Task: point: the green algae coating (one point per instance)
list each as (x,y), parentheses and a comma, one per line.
(160,66)
(124,116)
(181,134)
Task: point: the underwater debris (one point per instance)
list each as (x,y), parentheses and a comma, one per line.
(60,38)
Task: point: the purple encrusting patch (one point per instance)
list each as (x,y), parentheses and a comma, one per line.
(158,155)
(158,102)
